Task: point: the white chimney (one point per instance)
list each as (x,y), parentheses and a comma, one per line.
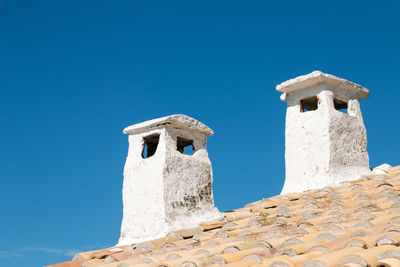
(325,137)
(165,188)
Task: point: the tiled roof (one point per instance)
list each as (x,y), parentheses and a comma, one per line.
(356,224)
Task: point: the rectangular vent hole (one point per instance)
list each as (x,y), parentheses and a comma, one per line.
(185,146)
(150,145)
(309,104)
(340,105)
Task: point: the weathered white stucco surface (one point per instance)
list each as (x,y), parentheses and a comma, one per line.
(381,169)
(169,190)
(323,147)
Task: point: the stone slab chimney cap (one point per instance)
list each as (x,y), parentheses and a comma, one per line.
(177,120)
(317,77)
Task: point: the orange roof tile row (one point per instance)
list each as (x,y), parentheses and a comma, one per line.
(356,224)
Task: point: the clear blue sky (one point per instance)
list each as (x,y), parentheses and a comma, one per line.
(73,74)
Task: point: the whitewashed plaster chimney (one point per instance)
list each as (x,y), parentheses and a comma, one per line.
(164,189)
(324,146)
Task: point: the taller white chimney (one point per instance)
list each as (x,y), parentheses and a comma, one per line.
(325,137)
(167,178)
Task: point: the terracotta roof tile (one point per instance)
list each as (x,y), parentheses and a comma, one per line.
(73,263)
(356,224)
(395,169)
(388,262)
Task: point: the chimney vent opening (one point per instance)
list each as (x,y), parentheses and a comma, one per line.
(340,105)
(150,145)
(309,104)
(185,146)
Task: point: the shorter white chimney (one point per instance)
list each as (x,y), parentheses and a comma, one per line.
(325,137)
(165,188)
